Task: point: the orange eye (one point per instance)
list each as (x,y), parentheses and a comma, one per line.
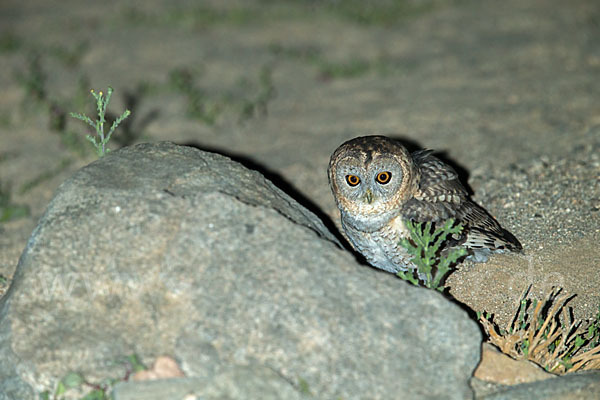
(384,177)
(352,180)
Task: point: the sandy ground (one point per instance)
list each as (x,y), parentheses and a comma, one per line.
(508,92)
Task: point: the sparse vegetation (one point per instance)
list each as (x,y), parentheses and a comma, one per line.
(97,391)
(256,104)
(33,79)
(350,69)
(426,245)
(199,105)
(102,138)
(251,13)
(193,18)
(9,42)
(544,332)
(8,210)
(304,387)
(547,334)
(381,14)
(327,68)
(70,57)
(247,99)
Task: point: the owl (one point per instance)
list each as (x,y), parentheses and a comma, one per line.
(378,185)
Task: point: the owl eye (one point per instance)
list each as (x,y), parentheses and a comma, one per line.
(383,177)
(352,180)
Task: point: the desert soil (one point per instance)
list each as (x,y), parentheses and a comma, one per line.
(506,91)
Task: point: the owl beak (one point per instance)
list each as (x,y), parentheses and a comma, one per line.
(369,196)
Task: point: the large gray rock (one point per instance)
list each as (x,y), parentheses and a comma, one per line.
(162,249)
(237,382)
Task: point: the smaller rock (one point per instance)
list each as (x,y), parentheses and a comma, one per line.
(164,367)
(498,367)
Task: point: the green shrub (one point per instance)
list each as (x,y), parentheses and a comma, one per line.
(432,261)
(101,139)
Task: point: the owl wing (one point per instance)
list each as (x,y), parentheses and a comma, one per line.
(439,192)
(440,196)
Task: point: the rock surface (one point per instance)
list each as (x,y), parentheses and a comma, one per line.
(576,386)
(233,383)
(164,249)
(498,367)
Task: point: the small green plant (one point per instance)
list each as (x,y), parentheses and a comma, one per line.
(70,57)
(99,391)
(387,13)
(329,69)
(33,80)
(350,69)
(9,42)
(9,210)
(545,333)
(256,104)
(199,105)
(304,386)
(426,245)
(249,98)
(101,139)
(194,18)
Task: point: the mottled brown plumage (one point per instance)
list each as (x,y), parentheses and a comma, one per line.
(419,187)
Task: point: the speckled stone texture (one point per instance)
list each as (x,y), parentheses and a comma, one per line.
(507,92)
(164,249)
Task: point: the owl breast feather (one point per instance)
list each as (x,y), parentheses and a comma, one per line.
(382,248)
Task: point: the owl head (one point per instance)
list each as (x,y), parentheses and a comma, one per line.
(371,177)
